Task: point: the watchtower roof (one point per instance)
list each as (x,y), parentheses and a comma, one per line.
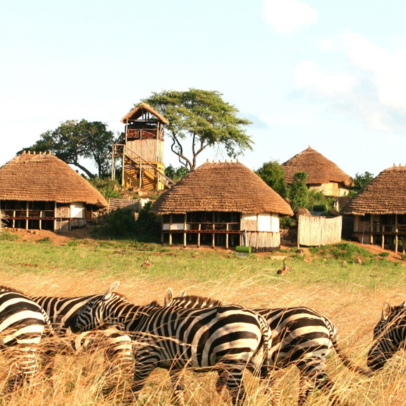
(140,110)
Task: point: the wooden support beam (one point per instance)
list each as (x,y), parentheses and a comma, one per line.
(162,228)
(213,239)
(170,227)
(227,237)
(198,235)
(371,226)
(396,236)
(184,229)
(26,213)
(383,240)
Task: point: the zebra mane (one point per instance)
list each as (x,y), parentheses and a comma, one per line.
(9,289)
(193,301)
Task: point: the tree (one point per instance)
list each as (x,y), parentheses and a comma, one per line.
(74,140)
(299,193)
(176,173)
(203,117)
(273,175)
(361,180)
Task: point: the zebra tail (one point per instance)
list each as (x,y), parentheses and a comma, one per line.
(347,362)
(50,330)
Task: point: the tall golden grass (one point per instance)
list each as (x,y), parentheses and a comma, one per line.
(79,380)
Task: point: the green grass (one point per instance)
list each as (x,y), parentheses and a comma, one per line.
(124,259)
(5,236)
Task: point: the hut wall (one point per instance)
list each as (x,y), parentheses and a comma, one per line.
(151,150)
(262,241)
(316,231)
(262,231)
(330,189)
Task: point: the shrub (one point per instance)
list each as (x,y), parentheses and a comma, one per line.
(120,223)
(107,187)
(45,240)
(287,222)
(5,236)
(384,254)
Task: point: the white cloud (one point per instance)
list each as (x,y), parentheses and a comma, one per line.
(289,15)
(370,87)
(309,75)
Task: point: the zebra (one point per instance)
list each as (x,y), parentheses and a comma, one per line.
(389,336)
(22,325)
(62,311)
(300,336)
(173,338)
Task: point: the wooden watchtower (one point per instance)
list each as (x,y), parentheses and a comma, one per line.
(141,149)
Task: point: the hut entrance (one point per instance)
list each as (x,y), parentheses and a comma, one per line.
(202,228)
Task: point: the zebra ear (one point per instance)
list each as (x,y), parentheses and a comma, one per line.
(183,294)
(386,311)
(168,297)
(110,290)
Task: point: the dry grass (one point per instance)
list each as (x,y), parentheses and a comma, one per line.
(352,305)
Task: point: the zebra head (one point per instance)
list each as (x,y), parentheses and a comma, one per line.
(389,334)
(93,314)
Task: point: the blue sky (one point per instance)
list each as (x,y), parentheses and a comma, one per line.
(326,74)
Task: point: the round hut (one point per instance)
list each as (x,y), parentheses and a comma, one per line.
(322,174)
(224,204)
(379,210)
(39,191)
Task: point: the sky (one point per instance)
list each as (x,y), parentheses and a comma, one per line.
(330,75)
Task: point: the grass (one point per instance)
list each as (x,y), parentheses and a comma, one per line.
(350,294)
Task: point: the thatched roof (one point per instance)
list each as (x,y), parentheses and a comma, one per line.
(319,169)
(138,111)
(221,187)
(386,194)
(44,177)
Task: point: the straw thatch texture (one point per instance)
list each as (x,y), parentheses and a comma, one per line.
(319,169)
(30,177)
(315,231)
(386,194)
(221,187)
(138,111)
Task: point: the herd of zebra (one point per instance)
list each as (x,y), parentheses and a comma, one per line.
(191,332)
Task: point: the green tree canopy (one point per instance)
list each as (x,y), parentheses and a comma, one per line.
(361,180)
(273,175)
(205,119)
(299,193)
(176,173)
(74,140)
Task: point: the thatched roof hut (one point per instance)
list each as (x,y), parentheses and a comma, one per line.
(140,110)
(386,194)
(41,191)
(44,177)
(222,187)
(221,199)
(322,173)
(380,208)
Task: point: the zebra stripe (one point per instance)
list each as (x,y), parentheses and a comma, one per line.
(175,338)
(389,335)
(22,324)
(300,336)
(62,312)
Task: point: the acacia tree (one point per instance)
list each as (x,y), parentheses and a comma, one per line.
(203,117)
(273,175)
(74,140)
(361,180)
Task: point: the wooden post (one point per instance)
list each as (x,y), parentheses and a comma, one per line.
(113,174)
(14,221)
(55,211)
(396,236)
(170,228)
(383,239)
(184,231)
(40,221)
(227,236)
(371,225)
(26,214)
(198,235)
(140,185)
(213,238)
(298,232)
(123,168)
(162,229)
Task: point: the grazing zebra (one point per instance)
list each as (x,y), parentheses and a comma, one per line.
(22,324)
(390,336)
(62,312)
(300,336)
(173,338)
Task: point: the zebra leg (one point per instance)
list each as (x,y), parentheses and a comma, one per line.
(324,383)
(234,374)
(178,386)
(221,380)
(145,363)
(25,365)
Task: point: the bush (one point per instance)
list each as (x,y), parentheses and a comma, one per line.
(384,254)
(120,223)
(110,189)
(287,222)
(5,236)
